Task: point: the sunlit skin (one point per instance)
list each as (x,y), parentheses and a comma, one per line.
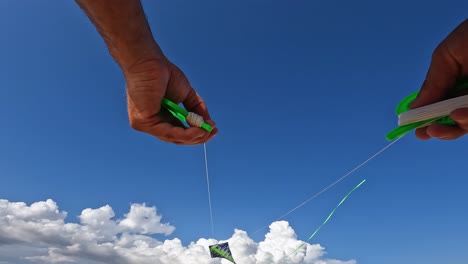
(149,75)
(449,65)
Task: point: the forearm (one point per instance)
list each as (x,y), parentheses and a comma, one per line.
(125,30)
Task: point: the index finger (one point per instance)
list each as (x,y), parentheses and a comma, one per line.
(174,134)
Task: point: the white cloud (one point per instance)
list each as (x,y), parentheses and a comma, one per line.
(38,233)
(144,220)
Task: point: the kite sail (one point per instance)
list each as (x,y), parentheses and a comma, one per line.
(221,251)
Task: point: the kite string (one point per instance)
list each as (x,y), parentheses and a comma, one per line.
(328,218)
(196,120)
(334,183)
(208,187)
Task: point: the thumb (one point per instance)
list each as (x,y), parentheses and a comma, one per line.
(194,103)
(448,65)
(442,75)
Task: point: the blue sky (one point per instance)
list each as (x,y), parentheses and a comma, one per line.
(302,92)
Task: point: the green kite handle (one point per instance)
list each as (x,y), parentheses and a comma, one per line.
(181,113)
(403,106)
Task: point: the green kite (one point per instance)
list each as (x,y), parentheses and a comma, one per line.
(221,251)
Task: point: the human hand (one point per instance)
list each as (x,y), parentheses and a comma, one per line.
(148,83)
(449,65)
(149,74)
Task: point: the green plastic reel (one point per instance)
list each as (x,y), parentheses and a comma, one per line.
(181,113)
(403,106)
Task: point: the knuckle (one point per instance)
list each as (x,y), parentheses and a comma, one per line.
(139,124)
(439,51)
(135,124)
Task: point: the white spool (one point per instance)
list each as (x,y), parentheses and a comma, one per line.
(194,119)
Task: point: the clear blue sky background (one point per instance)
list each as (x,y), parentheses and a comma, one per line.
(302,91)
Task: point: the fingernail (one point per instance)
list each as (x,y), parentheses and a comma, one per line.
(211,122)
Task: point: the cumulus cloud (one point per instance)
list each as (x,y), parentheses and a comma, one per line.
(38,233)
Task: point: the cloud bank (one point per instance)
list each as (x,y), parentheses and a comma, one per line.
(38,233)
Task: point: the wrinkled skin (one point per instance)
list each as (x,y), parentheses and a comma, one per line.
(147,83)
(149,75)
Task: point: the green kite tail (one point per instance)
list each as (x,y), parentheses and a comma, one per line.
(326,220)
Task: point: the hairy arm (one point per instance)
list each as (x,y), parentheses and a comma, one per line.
(149,75)
(125,30)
